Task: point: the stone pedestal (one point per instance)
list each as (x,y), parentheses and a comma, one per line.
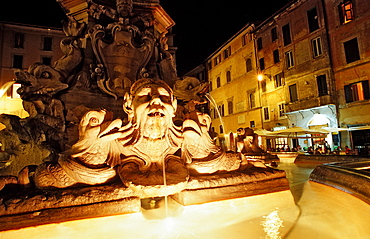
(24,209)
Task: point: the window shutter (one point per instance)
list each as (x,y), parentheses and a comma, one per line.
(365,87)
(340,11)
(348,93)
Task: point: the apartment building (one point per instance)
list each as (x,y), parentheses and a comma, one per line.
(232,76)
(297,83)
(307,65)
(20,46)
(348,25)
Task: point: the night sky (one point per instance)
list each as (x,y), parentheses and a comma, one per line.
(201,25)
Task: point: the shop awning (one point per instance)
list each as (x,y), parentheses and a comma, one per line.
(299,132)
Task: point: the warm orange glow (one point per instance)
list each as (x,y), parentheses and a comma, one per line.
(260,77)
(216,220)
(263,216)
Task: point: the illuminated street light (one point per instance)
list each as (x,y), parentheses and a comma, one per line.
(260,77)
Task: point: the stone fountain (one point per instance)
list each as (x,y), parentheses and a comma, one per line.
(80,155)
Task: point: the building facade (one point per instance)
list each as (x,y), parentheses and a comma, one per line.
(232,76)
(308,67)
(20,46)
(295,73)
(349,30)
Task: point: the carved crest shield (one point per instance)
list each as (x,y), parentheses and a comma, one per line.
(122,53)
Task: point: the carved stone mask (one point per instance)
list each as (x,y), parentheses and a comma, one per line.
(151,106)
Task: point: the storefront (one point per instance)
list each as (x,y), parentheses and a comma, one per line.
(316,118)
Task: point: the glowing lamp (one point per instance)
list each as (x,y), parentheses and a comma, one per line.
(259,77)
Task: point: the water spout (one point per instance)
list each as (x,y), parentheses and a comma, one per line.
(213,102)
(5,87)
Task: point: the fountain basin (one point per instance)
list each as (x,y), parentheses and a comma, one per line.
(55,206)
(353,177)
(248,217)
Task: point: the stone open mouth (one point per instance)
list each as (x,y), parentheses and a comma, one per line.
(156,114)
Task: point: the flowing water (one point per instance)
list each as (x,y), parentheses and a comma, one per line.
(165,184)
(5,87)
(213,102)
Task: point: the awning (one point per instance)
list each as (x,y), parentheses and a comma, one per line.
(299,132)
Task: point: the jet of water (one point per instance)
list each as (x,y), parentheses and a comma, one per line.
(5,87)
(213,102)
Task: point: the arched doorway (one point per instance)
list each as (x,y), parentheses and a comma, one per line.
(317,122)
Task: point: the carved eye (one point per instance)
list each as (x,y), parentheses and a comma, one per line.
(46,75)
(94,121)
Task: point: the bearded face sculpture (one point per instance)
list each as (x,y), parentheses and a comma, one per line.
(151,108)
(143,150)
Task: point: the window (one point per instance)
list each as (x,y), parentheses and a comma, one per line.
(357,91)
(214,113)
(262,63)
(210,86)
(345,12)
(227,52)
(209,65)
(48,41)
(46,60)
(246,38)
(218,60)
(230,107)
(221,129)
(286,34)
(228,76)
(322,86)
(289,59)
(244,41)
(351,50)
(313,20)
(276,56)
(316,47)
(266,114)
(279,81)
(221,110)
(259,43)
(252,100)
(218,82)
(248,62)
(19,40)
(281,107)
(17,61)
(274,35)
(293,93)
(252,124)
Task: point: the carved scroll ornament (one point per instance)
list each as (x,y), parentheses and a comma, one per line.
(122,53)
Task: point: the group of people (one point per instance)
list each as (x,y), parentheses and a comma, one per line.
(316,149)
(287,149)
(324,150)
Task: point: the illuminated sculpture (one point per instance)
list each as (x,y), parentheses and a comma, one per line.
(142,149)
(158,145)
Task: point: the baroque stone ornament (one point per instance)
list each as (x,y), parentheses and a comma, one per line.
(112,124)
(142,151)
(122,53)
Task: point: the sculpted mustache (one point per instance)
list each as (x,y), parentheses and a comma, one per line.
(156,114)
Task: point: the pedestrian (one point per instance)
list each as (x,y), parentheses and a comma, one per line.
(348,150)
